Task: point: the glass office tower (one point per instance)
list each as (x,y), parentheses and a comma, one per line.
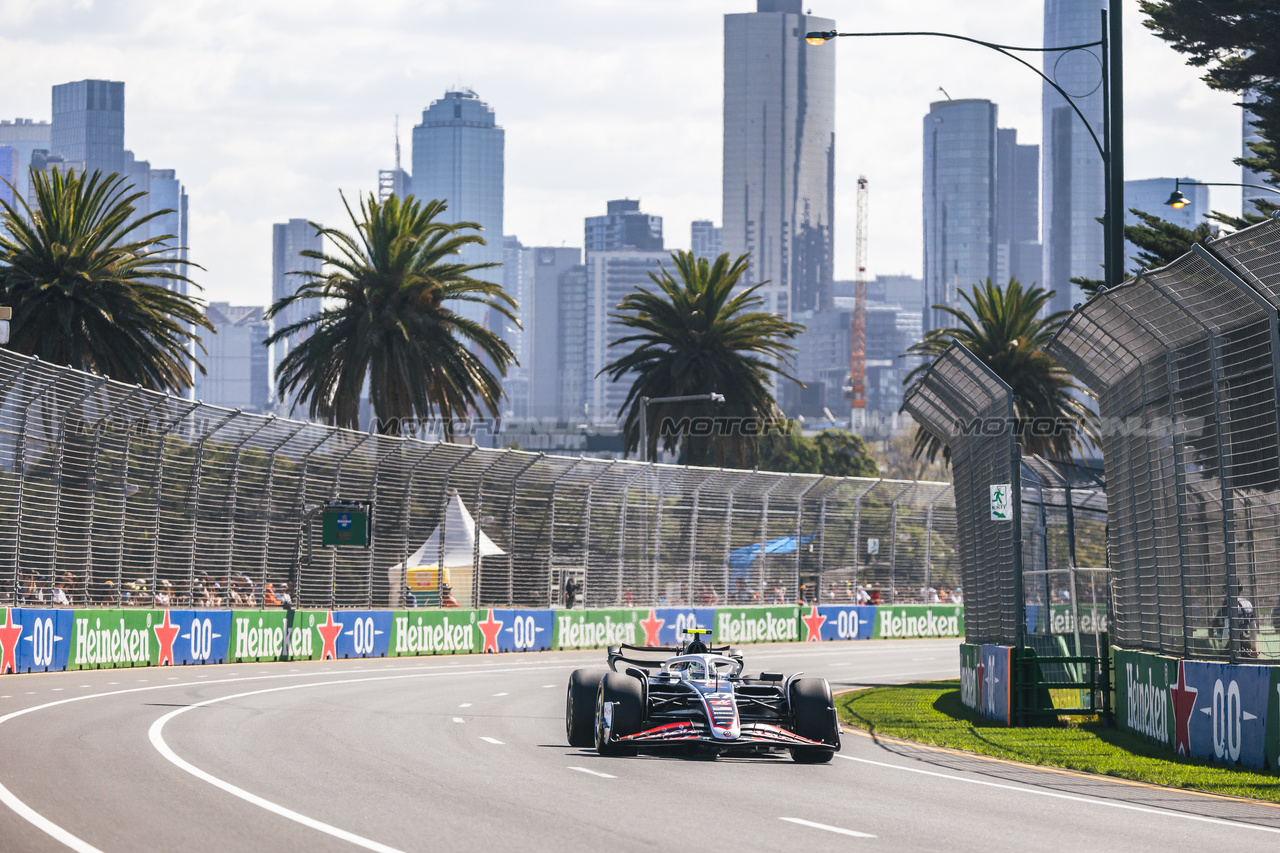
(88,124)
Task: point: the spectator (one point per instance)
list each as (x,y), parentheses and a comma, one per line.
(163,594)
(446,597)
(410,600)
(269,597)
(1241,623)
(572,588)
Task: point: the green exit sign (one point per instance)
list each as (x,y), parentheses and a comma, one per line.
(345,526)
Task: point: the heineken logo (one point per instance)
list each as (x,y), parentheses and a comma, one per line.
(445,637)
(606,632)
(112,644)
(741,628)
(929,624)
(1146,711)
(969,686)
(266,641)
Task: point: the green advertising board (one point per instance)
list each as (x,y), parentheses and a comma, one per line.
(1143,704)
(757,624)
(908,621)
(345,526)
(265,635)
(595,629)
(435,632)
(969,656)
(104,639)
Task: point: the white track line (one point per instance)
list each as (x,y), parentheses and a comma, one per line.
(1058,796)
(492,740)
(837,829)
(594,773)
(458,720)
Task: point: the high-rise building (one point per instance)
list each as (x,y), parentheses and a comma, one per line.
(515,281)
(235,359)
(554,332)
(1018,250)
(394,181)
(168,193)
(458,159)
(779,153)
(1248,135)
(611,276)
(1074,198)
(288,273)
(704,239)
(959,201)
(1150,196)
(8,172)
(623,226)
(24,136)
(88,124)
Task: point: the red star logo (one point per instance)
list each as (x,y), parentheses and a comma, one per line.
(1184,702)
(814,623)
(652,626)
(491,627)
(165,635)
(329,632)
(9,636)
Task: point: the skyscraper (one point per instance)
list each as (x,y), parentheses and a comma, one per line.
(623,227)
(1018,252)
(1074,196)
(394,181)
(168,193)
(959,201)
(458,159)
(88,124)
(24,136)
(289,239)
(8,172)
(611,276)
(779,153)
(704,239)
(554,332)
(235,358)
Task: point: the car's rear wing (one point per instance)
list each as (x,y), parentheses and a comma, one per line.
(618,653)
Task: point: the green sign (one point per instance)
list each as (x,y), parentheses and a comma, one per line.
(103,639)
(263,635)
(969,657)
(594,629)
(1273,721)
(908,621)
(435,632)
(1143,704)
(1093,619)
(345,526)
(757,625)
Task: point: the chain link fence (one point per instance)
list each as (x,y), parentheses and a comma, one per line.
(110,494)
(1184,363)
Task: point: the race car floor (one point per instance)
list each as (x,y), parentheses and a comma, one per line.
(468,753)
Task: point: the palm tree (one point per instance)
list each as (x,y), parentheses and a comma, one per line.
(385,318)
(693,335)
(1004,328)
(86,292)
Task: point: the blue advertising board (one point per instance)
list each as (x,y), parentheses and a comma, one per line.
(203,636)
(1220,712)
(994,663)
(35,640)
(665,625)
(524,630)
(364,634)
(838,622)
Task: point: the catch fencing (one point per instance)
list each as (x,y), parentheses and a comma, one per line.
(1184,361)
(112,495)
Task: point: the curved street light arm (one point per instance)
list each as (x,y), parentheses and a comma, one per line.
(1000,48)
(1179,183)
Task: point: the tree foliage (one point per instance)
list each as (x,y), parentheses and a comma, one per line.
(86,292)
(387,318)
(1007,329)
(832,453)
(693,335)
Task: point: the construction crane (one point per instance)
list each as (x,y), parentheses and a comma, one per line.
(858,339)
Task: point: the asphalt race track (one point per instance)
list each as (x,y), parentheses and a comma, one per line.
(468,753)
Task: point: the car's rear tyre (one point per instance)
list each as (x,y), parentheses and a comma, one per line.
(814,714)
(580,706)
(626,695)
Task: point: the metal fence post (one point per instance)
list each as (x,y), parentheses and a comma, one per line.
(125,492)
(233,492)
(728,536)
(551,526)
(59,456)
(928,535)
(511,529)
(397,597)
(20,469)
(443,526)
(586,525)
(269,490)
(857,528)
(817,598)
(93,477)
(197,474)
(304,521)
(622,524)
(399,444)
(335,494)
(764,533)
(157,490)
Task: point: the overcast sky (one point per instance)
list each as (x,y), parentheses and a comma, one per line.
(268,109)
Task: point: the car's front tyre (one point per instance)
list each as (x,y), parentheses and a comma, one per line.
(580,706)
(625,699)
(813,713)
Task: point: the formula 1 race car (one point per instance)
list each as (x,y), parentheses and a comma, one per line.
(697,697)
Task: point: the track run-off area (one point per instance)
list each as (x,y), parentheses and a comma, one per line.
(469,753)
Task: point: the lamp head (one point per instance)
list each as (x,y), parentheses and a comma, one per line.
(820,37)
(1177,200)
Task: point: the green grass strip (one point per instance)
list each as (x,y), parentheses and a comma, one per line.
(931,712)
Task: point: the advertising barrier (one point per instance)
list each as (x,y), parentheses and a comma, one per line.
(970,655)
(43,639)
(994,682)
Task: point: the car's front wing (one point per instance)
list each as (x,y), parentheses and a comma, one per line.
(686,731)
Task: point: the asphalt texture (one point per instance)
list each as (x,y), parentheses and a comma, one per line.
(468,753)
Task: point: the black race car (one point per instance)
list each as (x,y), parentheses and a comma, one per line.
(695,696)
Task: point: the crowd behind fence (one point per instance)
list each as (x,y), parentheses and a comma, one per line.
(110,494)
(1184,361)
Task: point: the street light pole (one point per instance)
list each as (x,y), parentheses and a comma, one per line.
(1178,201)
(1110,147)
(645,402)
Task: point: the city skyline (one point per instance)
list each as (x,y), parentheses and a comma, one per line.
(586,118)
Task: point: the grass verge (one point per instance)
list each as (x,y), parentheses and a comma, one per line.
(931,712)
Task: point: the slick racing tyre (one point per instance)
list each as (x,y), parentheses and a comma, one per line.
(814,713)
(580,706)
(625,694)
